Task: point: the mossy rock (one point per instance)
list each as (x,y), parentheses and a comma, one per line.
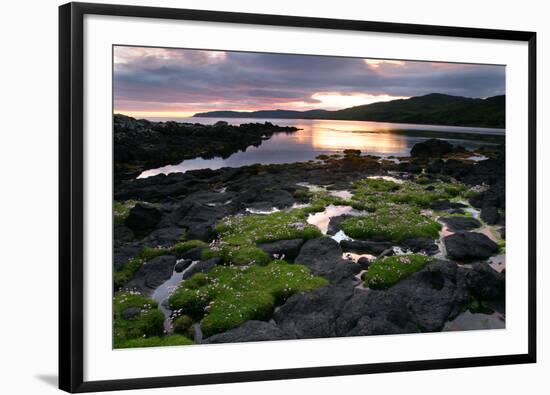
(121,210)
(149,322)
(183,325)
(259,228)
(391,222)
(182,247)
(238,254)
(227,296)
(371,193)
(387,271)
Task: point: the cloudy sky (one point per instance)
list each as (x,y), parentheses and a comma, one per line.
(159,82)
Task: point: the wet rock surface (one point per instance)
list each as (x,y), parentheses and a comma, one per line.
(288,249)
(431,148)
(152,274)
(250,331)
(143,218)
(468,246)
(458,224)
(365,246)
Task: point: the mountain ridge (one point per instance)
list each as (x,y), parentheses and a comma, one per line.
(433,108)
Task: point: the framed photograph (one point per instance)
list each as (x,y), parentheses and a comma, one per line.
(253,197)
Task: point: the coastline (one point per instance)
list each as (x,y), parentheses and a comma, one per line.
(255,220)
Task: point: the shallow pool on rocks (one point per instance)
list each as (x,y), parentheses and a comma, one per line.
(322,218)
(163,292)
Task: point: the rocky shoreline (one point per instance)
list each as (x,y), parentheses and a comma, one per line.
(140,144)
(405,254)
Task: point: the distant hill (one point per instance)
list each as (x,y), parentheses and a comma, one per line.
(433,109)
(311,114)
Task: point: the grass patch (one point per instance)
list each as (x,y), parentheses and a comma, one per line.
(259,228)
(387,271)
(238,254)
(184,246)
(227,296)
(392,222)
(320,200)
(149,322)
(371,193)
(156,341)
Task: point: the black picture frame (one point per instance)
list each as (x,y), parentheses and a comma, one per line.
(71,223)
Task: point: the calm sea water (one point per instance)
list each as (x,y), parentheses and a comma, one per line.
(325,137)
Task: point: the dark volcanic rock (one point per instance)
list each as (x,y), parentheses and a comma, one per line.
(312,314)
(422,302)
(490,215)
(164,236)
(457,224)
(365,247)
(194,254)
(143,218)
(289,248)
(495,196)
(199,220)
(364,263)
(485,283)
(121,233)
(444,205)
(123,254)
(420,244)
(250,331)
(182,265)
(324,258)
(202,267)
(467,246)
(152,274)
(432,148)
(375,313)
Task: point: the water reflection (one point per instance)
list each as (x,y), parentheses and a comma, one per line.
(327,137)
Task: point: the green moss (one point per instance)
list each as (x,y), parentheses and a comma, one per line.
(238,254)
(259,228)
(301,194)
(370,193)
(227,296)
(149,322)
(184,246)
(387,271)
(156,341)
(392,222)
(121,209)
(477,306)
(320,200)
(239,234)
(374,185)
(183,325)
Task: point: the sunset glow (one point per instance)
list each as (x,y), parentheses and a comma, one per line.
(176,83)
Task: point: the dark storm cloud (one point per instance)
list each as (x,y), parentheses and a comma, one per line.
(160,79)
